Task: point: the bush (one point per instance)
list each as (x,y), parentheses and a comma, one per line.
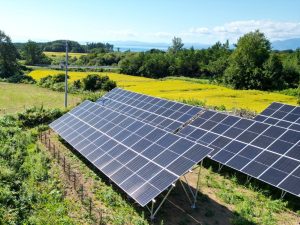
(77,84)
(21,79)
(38,116)
(94,82)
(45,81)
(109,85)
(59,78)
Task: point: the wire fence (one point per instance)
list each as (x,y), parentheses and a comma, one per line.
(96,214)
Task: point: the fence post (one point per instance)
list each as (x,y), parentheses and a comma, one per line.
(81,190)
(69,171)
(64,163)
(74,181)
(90,206)
(100,217)
(49,143)
(58,156)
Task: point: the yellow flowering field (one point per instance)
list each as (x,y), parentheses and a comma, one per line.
(63,54)
(212,95)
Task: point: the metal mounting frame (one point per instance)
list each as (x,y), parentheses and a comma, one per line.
(220,167)
(283,193)
(153,211)
(189,193)
(192,200)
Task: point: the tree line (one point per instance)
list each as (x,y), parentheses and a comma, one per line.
(250,65)
(60,46)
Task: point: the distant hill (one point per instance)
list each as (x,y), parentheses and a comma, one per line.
(286,44)
(138,46)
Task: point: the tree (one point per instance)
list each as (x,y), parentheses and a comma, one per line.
(217,55)
(177,45)
(33,54)
(8,57)
(245,70)
(273,73)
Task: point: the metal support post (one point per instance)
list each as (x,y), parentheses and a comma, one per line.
(248,179)
(185,191)
(66,76)
(189,186)
(283,193)
(197,187)
(152,210)
(220,167)
(162,202)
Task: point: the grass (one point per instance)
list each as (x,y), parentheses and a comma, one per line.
(250,204)
(187,89)
(16,97)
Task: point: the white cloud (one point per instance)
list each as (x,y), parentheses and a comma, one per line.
(121,33)
(273,30)
(162,35)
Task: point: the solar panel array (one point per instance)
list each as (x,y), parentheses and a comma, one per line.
(130,138)
(168,115)
(143,160)
(266,152)
(282,115)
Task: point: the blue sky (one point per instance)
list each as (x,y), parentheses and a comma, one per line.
(195,21)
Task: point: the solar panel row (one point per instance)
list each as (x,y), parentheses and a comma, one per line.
(266,152)
(162,113)
(141,159)
(282,115)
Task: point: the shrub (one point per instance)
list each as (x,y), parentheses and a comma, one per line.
(109,85)
(94,82)
(77,84)
(45,81)
(21,79)
(37,116)
(59,78)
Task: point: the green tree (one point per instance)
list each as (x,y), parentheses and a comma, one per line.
(273,73)
(245,69)
(33,54)
(8,57)
(177,45)
(217,55)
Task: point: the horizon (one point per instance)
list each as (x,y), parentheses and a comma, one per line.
(151,22)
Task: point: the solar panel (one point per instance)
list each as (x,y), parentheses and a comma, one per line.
(266,152)
(143,160)
(166,114)
(281,115)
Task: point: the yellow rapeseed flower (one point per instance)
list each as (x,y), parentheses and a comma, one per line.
(212,95)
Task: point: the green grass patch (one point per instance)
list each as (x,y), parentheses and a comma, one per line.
(16,97)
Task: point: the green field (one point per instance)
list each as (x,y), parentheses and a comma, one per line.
(17,97)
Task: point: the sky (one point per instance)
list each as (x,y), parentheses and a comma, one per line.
(195,21)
